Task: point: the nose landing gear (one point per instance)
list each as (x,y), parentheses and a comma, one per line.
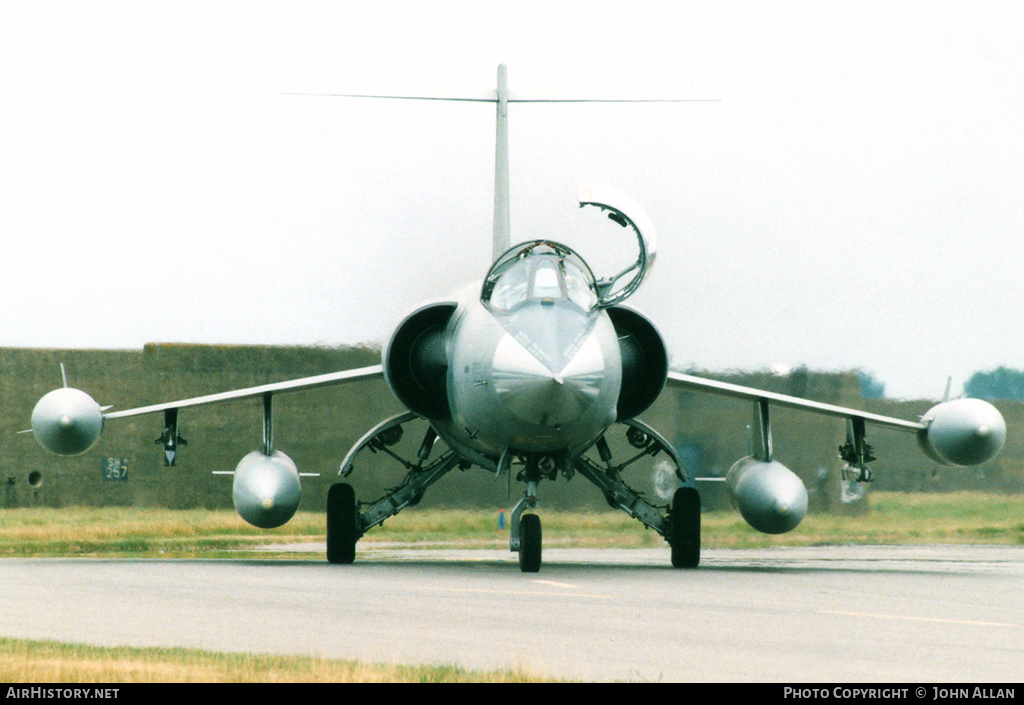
(677,521)
(525,528)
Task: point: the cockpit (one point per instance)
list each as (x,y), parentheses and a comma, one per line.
(541,271)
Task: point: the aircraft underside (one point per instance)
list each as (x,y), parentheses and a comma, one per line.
(635,469)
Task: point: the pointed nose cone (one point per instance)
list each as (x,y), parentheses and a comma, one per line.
(535,394)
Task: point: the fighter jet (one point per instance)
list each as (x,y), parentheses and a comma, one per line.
(538,371)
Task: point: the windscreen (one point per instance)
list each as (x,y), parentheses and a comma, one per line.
(539,271)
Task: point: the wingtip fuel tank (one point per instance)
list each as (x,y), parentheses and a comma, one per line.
(67,421)
(962,432)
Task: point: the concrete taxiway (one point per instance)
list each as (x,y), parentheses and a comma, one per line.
(796,615)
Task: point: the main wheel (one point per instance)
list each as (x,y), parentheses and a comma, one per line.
(684,528)
(529,543)
(342,524)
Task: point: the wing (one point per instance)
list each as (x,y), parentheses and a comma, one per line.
(773,499)
(958,432)
(678,380)
(68,421)
(295,385)
(266,490)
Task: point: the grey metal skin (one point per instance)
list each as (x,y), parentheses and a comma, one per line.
(266,490)
(67,421)
(530,386)
(768,495)
(962,432)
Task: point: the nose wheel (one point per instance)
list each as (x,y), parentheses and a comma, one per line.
(525,536)
(529,543)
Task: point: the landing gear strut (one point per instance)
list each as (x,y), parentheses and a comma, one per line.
(679,522)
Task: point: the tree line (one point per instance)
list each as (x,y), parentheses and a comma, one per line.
(1000,383)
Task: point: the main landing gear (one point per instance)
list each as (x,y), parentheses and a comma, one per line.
(345,524)
(662,495)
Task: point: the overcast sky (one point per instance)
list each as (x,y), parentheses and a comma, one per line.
(853,198)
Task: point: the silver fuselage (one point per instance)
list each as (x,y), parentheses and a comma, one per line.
(542,378)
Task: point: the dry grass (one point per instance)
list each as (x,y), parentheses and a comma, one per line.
(25,661)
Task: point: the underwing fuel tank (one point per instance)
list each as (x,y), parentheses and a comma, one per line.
(266,490)
(962,432)
(769,496)
(67,421)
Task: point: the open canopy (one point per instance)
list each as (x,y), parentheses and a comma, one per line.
(539,271)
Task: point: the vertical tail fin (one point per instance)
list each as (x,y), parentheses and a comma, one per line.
(502,218)
(502,226)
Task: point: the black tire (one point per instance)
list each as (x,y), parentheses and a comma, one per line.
(342,523)
(684,528)
(529,543)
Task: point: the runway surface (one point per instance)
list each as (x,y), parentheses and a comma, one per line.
(790,615)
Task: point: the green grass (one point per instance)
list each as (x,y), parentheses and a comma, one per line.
(25,661)
(894,518)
